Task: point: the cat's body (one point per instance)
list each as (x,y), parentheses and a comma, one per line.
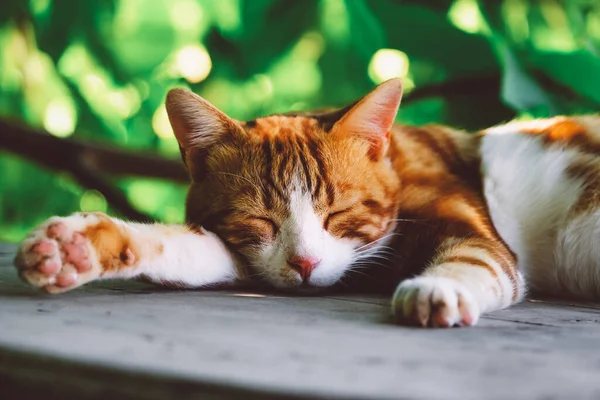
(303,200)
(542,187)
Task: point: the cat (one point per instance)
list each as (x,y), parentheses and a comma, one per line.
(301,200)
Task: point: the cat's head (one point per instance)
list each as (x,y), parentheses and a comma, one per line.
(301,198)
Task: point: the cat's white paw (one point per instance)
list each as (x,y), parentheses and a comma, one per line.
(58,256)
(434,301)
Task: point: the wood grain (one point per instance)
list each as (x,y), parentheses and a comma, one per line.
(130,340)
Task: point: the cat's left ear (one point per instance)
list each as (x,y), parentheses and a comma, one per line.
(373,116)
(198,126)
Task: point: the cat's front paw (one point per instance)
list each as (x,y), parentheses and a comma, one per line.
(435,302)
(58,255)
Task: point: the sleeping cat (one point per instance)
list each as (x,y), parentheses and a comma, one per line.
(302,200)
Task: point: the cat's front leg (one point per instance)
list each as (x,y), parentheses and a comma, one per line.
(64,253)
(468,277)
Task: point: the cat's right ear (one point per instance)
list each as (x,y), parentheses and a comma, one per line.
(372,117)
(197,124)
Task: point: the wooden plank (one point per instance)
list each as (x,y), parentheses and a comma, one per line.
(130,339)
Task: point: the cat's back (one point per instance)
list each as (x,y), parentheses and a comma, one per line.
(541,181)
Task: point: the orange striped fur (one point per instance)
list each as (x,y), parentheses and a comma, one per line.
(460,221)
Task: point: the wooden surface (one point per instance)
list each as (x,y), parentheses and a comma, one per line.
(129,340)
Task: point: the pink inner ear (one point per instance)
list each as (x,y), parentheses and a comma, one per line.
(385,113)
(378,145)
(197,124)
(373,117)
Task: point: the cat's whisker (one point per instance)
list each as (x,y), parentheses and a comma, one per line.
(371,261)
(360,266)
(342,282)
(354,271)
(375,241)
(382,253)
(373,255)
(380,258)
(376,251)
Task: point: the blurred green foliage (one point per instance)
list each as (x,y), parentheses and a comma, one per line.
(99,70)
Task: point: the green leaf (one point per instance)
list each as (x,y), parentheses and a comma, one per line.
(520,90)
(579,70)
(270,28)
(366,33)
(428,35)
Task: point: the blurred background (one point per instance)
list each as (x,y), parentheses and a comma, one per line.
(82,83)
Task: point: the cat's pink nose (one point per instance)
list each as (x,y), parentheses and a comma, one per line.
(304,265)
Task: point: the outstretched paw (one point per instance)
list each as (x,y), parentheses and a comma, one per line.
(59,255)
(435,302)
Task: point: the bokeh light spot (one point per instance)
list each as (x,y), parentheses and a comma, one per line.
(60,117)
(93,85)
(40,6)
(34,68)
(194,63)
(120,103)
(388,63)
(161,124)
(465,15)
(92,200)
(310,46)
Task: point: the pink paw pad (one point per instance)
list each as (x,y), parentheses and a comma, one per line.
(44,248)
(57,230)
(48,267)
(65,279)
(79,239)
(83,265)
(56,257)
(76,253)
(467,320)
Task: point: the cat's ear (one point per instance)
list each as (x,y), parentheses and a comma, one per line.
(197,124)
(373,116)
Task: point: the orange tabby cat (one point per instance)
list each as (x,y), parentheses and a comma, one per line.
(302,200)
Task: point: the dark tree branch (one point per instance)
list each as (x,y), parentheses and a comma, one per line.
(466,85)
(88,163)
(63,154)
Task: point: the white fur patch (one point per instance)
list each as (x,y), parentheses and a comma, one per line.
(529,196)
(187,258)
(302,235)
(578,256)
(435,301)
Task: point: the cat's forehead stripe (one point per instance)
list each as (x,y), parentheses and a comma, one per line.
(283,127)
(298,158)
(272,189)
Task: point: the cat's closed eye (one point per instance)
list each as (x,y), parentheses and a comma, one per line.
(331,216)
(267,223)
